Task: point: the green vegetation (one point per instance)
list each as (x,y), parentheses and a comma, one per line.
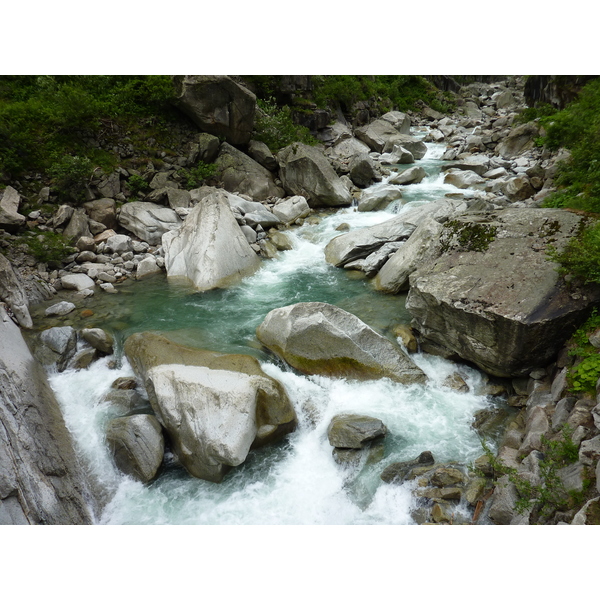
(69,175)
(586,372)
(549,496)
(45,119)
(47,246)
(392,92)
(473,237)
(577,128)
(137,184)
(195,176)
(275,128)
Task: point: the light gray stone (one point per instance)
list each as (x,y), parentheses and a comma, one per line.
(354,431)
(60,309)
(147,221)
(322,339)
(77,281)
(13,293)
(210,249)
(409,176)
(290,209)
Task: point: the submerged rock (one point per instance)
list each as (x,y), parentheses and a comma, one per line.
(210,250)
(322,339)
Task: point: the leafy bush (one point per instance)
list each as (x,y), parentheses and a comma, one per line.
(70,175)
(196,176)
(581,256)
(583,377)
(47,246)
(275,128)
(136,184)
(551,495)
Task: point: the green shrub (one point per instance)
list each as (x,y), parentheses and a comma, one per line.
(70,174)
(136,184)
(196,176)
(581,256)
(583,377)
(274,127)
(47,246)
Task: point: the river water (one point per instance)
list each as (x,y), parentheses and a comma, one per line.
(297,481)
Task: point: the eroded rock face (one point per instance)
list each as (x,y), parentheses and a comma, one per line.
(218,105)
(148,221)
(493,297)
(12,292)
(322,339)
(242,175)
(210,250)
(305,171)
(41,481)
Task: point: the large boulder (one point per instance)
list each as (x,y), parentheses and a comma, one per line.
(421,247)
(148,221)
(409,176)
(493,297)
(362,242)
(10,219)
(378,197)
(217,105)
(376,134)
(209,250)
(519,140)
(13,293)
(137,445)
(354,431)
(41,480)
(242,175)
(318,338)
(305,171)
(463,179)
(401,140)
(363,171)
(292,208)
(103,211)
(218,405)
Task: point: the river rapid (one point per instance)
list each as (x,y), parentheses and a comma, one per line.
(296,481)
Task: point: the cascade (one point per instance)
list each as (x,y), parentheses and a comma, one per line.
(298,480)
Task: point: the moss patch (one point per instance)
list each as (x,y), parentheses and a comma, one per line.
(473,237)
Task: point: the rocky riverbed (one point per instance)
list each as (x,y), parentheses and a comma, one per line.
(481,292)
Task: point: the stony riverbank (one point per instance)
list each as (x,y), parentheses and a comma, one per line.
(460,258)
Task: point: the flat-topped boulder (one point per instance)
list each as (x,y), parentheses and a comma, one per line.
(321,339)
(376,133)
(209,250)
(305,171)
(493,297)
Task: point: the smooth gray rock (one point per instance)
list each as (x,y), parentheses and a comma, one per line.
(378,132)
(240,174)
(103,210)
(304,171)
(519,140)
(290,209)
(148,221)
(10,219)
(503,501)
(260,152)
(463,179)
(147,266)
(397,472)
(398,156)
(354,431)
(360,243)
(41,480)
(77,281)
(478,163)
(56,346)
(13,293)
(411,175)
(78,226)
(255,213)
(98,339)
(209,250)
(118,244)
(218,105)
(493,297)
(378,197)
(414,145)
(59,309)
(137,445)
(210,414)
(322,339)
(363,171)
(421,247)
